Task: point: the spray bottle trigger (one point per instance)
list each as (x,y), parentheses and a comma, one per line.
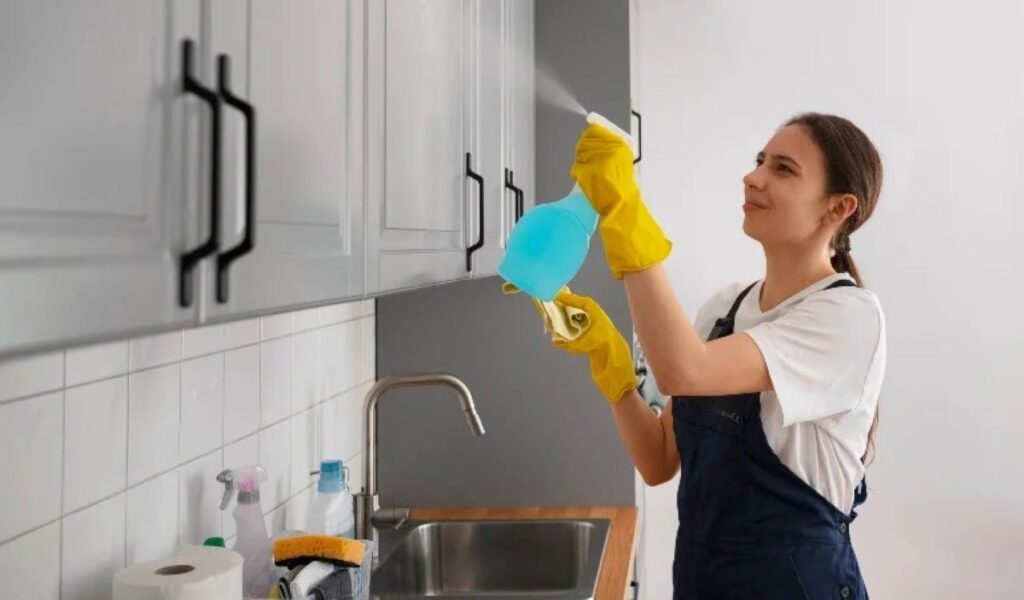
(227,478)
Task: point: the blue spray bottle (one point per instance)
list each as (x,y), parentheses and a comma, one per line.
(549,244)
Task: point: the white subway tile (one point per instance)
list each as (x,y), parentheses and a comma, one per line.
(100,361)
(368,367)
(342,353)
(241,392)
(199,499)
(296,511)
(30,565)
(305,362)
(351,427)
(337,313)
(152,520)
(275,520)
(341,424)
(154,350)
(31,375)
(154,411)
(242,453)
(303,451)
(275,380)
(95,428)
(241,333)
(93,550)
(202,340)
(304,320)
(275,456)
(30,463)
(202,406)
(355,473)
(275,326)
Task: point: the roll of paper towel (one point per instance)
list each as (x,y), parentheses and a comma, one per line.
(195,573)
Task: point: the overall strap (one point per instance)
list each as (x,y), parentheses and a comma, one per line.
(739,300)
(724,325)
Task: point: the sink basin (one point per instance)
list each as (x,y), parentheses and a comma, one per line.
(493,559)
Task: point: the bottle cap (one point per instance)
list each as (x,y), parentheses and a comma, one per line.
(332,477)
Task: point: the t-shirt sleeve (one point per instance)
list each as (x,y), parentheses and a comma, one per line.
(818,354)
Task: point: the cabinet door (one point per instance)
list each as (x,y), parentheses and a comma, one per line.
(293,62)
(520,98)
(489,109)
(418,191)
(103,169)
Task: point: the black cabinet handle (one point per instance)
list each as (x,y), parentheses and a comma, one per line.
(224,259)
(190,258)
(480,242)
(639,136)
(511,185)
(636,588)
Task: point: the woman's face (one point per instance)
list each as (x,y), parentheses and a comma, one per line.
(785,200)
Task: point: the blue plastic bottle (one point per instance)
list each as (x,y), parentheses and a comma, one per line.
(548,245)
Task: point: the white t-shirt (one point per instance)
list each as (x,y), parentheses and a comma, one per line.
(825,352)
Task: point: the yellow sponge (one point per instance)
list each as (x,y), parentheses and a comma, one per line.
(301,549)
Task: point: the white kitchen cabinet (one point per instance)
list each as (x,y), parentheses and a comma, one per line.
(104,170)
(299,65)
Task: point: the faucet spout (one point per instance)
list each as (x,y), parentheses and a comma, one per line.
(367,502)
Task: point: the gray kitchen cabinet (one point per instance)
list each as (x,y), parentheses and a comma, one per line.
(299,65)
(104,170)
(440,137)
(419,150)
(520,121)
(507,123)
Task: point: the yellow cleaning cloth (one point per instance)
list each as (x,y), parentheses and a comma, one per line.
(563,323)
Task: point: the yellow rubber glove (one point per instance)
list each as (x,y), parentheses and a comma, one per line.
(611,360)
(633,240)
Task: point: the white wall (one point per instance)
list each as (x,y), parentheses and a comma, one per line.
(939,87)
(108,453)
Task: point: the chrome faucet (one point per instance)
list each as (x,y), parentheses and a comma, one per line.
(369,514)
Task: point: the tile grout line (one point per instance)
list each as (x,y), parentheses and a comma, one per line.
(63,469)
(127,451)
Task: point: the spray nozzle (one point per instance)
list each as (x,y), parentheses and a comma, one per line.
(595,118)
(246,479)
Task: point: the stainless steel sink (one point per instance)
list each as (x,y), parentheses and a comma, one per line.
(492,559)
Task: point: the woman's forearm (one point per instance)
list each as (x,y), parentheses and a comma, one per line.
(650,445)
(668,338)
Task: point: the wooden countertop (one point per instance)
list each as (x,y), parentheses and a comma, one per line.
(613,580)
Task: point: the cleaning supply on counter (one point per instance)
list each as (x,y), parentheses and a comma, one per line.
(562,323)
(336,586)
(194,573)
(253,543)
(548,245)
(308,577)
(331,510)
(302,549)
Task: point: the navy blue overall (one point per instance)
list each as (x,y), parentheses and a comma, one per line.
(748,526)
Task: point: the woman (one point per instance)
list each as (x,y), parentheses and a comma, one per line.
(774,385)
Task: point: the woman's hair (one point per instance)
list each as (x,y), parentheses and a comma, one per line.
(852,166)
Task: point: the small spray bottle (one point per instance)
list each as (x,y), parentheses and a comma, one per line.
(252,543)
(549,244)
